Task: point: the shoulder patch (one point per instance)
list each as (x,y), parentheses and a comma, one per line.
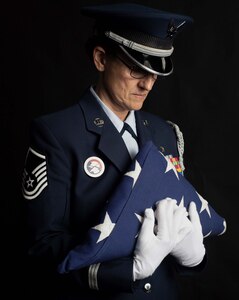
(34,175)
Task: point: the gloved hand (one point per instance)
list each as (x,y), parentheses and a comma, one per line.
(151,248)
(190,251)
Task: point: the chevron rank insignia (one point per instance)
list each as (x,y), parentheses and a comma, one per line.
(34,175)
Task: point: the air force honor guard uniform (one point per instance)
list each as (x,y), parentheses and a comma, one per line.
(77,157)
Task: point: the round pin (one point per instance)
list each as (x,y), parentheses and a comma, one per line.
(94,166)
(99,122)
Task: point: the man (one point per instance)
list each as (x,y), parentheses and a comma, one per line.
(77,157)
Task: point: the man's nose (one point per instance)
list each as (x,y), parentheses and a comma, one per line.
(148,81)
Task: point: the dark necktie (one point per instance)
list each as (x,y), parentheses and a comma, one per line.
(130,140)
(130,130)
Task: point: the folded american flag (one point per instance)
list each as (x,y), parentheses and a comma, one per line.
(150,178)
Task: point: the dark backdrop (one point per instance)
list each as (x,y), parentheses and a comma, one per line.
(44,68)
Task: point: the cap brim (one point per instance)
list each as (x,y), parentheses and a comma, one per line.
(162,66)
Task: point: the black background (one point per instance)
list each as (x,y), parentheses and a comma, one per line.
(44,68)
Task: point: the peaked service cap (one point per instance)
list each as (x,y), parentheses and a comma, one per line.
(144,34)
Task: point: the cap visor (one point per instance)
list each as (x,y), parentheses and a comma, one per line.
(161,66)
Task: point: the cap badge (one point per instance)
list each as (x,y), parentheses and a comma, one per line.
(94,166)
(173,29)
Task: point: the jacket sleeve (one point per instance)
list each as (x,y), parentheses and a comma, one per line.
(108,276)
(46,191)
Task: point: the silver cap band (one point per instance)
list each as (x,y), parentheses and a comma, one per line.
(138,47)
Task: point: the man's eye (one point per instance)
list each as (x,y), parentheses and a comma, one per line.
(137,70)
(134,68)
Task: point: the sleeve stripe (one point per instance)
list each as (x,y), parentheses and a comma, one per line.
(92,276)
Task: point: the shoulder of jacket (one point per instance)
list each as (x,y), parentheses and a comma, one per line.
(154,119)
(67,113)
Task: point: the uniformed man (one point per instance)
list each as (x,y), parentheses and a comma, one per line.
(77,157)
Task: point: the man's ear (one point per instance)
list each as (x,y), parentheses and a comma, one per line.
(99,58)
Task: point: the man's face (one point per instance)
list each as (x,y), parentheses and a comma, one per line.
(119,90)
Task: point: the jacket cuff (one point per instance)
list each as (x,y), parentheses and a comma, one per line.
(116,275)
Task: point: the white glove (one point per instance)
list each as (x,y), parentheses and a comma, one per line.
(190,251)
(151,248)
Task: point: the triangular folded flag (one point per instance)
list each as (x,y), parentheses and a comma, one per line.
(150,178)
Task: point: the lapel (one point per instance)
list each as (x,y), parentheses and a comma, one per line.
(142,129)
(110,143)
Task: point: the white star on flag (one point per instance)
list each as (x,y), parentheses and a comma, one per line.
(140,218)
(181,204)
(105,228)
(170,166)
(134,174)
(206,235)
(225,227)
(204,205)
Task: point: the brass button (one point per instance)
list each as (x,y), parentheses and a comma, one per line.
(147,287)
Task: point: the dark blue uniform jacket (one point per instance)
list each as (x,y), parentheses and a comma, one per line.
(60,215)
